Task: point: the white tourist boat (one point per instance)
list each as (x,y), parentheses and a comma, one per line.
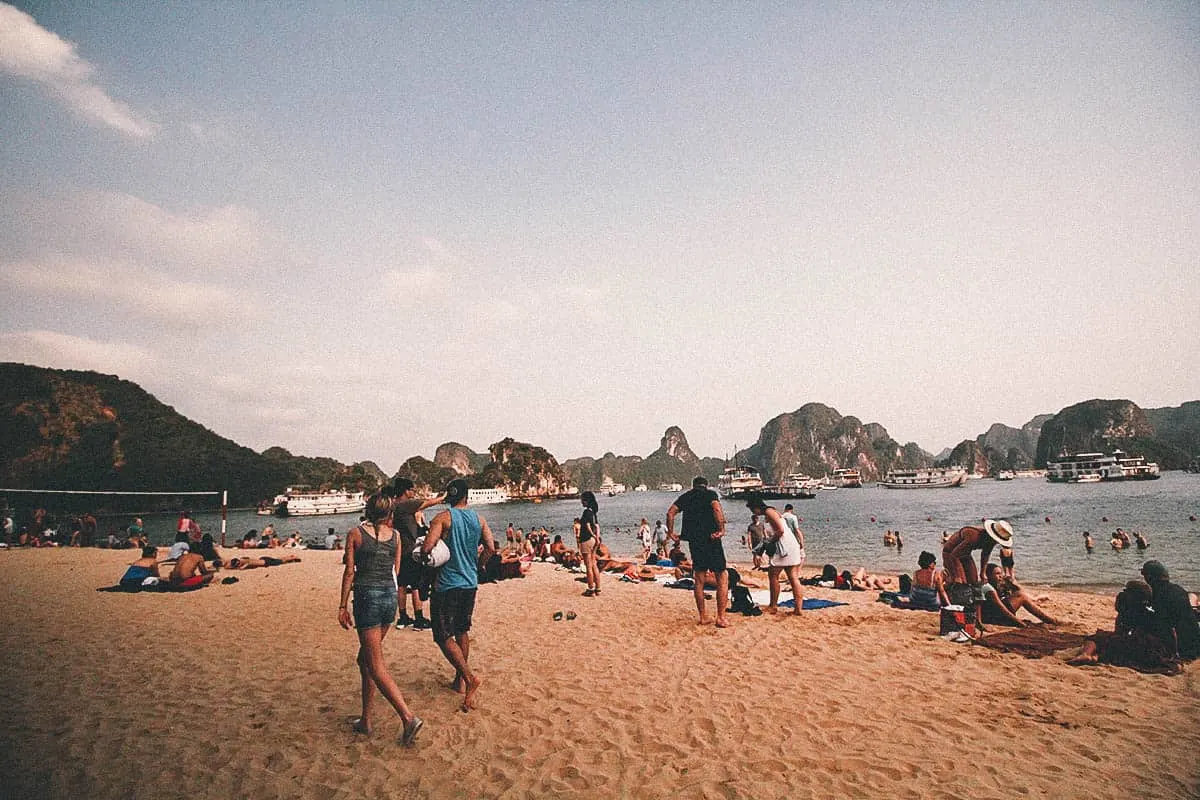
(611,488)
(845,479)
(737,482)
(1115,467)
(300,501)
(1005,475)
(670,487)
(483,497)
(928,478)
(795,486)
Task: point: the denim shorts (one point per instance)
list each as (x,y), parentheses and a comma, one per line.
(374,606)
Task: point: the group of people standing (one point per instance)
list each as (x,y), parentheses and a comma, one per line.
(381,555)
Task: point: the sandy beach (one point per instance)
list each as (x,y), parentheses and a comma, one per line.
(246,689)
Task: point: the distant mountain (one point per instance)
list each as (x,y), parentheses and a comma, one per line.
(672,462)
(460,458)
(815,439)
(1178,428)
(1101,426)
(65,429)
(1000,448)
(524,470)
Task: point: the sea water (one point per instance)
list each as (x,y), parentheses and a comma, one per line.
(845,527)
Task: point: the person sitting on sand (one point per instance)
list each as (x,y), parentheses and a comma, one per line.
(190,572)
(1003,598)
(180,547)
(137,572)
(1173,610)
(558,549)
(929,584)
(1136,641)
(207,549)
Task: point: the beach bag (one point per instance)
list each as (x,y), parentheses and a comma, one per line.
(771,548)
(957,618)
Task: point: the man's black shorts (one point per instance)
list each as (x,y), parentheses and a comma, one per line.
(708,555)
(450,613)
(409,576)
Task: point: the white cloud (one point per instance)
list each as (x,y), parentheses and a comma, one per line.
(224,239)
(133,291)
(30,51)
(61,351)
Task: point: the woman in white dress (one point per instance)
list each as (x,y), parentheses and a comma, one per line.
(788,557)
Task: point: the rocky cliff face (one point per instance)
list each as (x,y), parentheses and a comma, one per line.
(524,470)
(1177,429)
(816,439)
(672,462)
(1001,447)
(460,458)
(427,476)
(1094,426)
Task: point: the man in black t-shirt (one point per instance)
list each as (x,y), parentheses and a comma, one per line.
(703,526)
(408,580)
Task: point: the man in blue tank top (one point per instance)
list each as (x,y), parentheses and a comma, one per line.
(453,599)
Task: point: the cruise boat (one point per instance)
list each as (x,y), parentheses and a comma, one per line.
(846,479)
(1116,467)
(737,482)
(670,487)
(612,488)
(483,497)
(795,486)
(300,501)
(1005,475)
(931,478)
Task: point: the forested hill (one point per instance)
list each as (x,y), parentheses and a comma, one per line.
(65,429)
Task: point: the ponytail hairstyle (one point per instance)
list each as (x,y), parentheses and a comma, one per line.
(380,507)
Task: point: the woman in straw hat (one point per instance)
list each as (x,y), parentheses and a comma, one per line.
(961,573)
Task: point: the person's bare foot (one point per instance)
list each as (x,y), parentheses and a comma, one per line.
(704,621)
(360,725)
(459,685)
(796,613)
(772,609)
(473,685)
(723,623)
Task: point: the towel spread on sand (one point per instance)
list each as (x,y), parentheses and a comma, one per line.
(763,596)
(1036,641)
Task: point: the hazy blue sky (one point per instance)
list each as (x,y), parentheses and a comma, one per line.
(361,230)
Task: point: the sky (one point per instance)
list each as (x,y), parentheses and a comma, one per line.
(360,230)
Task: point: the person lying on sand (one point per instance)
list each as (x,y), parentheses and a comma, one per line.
(265,561)
(861,581)
(1003,598)
(190,572)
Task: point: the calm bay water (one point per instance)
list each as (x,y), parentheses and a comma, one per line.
(839,528)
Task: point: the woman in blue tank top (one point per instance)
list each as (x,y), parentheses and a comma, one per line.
(372,559)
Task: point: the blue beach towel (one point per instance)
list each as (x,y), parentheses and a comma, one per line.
(811,603)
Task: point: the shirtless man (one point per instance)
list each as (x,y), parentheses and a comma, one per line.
(190,572)
(963,581)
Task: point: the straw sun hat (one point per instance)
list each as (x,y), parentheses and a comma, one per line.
(1000,531)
